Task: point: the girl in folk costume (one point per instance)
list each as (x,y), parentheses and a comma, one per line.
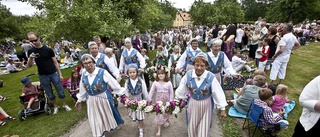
(168,45)
(136,90)
(95,89)
(186,60)
(130,55)
(164,93)
(162,56)
(174,57)
(218,61)
(204,91)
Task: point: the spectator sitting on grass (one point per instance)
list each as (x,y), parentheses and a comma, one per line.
(68,60)
(11,67)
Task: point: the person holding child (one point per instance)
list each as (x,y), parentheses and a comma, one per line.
(205,92)
(174,57)
(164,93)
(29,92)
(136,90)
(96,88)
(73,84)
(264,101)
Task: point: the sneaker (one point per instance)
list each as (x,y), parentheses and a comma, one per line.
(67,107)
(56,110)
(28,109)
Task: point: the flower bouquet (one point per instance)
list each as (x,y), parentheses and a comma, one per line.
(124,77)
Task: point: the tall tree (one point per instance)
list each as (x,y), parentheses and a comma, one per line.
(255,8)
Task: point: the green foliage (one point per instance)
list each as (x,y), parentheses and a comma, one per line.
(254,9)
(293,10)
(220,12)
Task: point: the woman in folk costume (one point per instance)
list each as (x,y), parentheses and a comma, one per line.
(218,62)
(186,60)
(136,90)
(103,61)
(130,55)
(95,88)
(174,57)
(204,90)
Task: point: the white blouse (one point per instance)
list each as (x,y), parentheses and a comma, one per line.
(134,83)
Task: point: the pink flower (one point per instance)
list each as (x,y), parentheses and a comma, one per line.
(148,103)
(173,104)
(182,103)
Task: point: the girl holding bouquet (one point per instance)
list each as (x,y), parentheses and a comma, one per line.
(164,94)
(136,90)
(204,90)
(174,57)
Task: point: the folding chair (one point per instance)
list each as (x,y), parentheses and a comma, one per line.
(254,117)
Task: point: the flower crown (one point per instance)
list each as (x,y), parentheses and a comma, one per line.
(164,68)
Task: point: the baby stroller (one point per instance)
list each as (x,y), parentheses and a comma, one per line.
(40,104)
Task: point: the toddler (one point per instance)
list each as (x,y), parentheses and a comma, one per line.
(29,92)
(280,98)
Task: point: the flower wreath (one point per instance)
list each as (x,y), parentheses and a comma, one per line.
(164,68)
(174,107)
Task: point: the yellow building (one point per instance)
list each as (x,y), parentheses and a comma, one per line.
(182,19)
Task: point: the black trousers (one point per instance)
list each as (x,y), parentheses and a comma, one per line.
(300,132)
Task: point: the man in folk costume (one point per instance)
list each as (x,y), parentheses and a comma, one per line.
(130,55)
(186,60)
(102,61)
(218,62)
(205,93)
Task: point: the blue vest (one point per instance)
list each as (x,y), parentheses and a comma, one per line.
(99,86)
(132,58)
(202,92)
(216,68)
(135,90)
(172,59)
(190,57)
(100,63)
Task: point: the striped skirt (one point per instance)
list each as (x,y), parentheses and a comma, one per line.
(100,115)
(199,117)
(136,115)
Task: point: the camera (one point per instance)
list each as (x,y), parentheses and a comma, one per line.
(37,55)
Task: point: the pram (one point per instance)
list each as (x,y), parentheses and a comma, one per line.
(41,104)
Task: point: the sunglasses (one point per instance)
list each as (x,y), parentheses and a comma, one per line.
(32,41)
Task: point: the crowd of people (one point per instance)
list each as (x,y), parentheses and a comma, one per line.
(183,68)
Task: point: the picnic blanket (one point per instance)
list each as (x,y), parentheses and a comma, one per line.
(288,107)
(63,66)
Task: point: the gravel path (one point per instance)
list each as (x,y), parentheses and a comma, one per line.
(177,128)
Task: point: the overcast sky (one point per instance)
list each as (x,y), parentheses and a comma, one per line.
(22,8)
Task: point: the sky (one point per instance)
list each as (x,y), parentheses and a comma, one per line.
(23,8)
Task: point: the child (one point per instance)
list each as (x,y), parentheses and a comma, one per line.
(145,75)
(258,56)
(161,56)
(29,91)
(280,98)
(164,93)
(135,88)
(11,67)
(265,54)
(73,84)
(68,60)
(268,118)
(175,77)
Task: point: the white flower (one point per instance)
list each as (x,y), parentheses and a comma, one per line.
(142,103)
(160,103)
(162,108)
(139,108)
(148,109)
(177,101)
(176,110)
(167,104)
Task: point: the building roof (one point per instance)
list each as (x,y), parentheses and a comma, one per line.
(184,15)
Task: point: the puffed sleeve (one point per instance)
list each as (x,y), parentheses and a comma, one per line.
(182,90)
(115,86)
(310,94)
(145,90)
(141,60)
(171,91)
(112,67)
(121,64)
(152,89)
(126,89)
(228,66)
(219,98)
(82,95)
(182,60)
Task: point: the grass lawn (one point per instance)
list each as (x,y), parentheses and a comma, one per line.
(301,69)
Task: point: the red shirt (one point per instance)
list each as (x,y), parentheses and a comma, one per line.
(265,50)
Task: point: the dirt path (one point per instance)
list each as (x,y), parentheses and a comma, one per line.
(178,127)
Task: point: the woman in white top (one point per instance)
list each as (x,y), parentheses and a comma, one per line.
(309,123)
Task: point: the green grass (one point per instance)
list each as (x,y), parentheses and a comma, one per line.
(302,68)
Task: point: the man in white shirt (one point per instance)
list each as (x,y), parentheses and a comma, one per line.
(238,63)
(239,36)
(283,52)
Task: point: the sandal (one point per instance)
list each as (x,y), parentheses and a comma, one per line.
(2,123)
(10,118)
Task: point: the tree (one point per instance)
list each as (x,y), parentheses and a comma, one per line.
(255,8)
(293,10)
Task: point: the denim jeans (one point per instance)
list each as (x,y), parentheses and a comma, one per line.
(46,80)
